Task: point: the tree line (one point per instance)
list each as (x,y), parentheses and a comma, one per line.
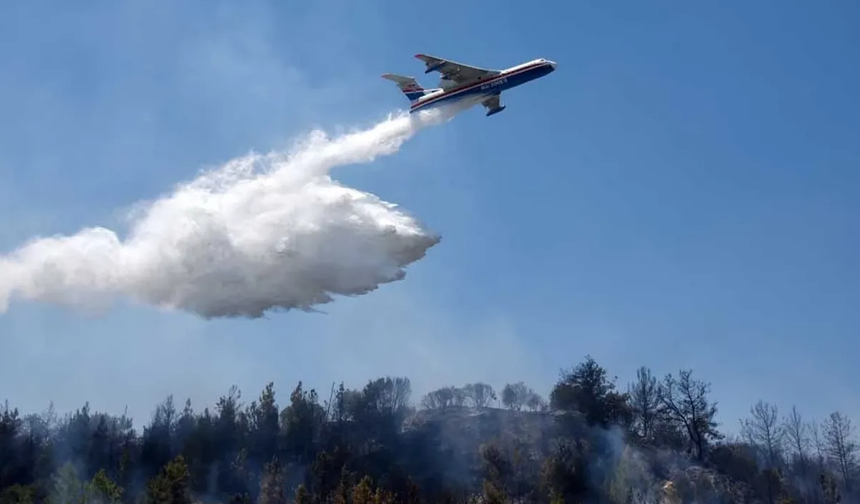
(655,441)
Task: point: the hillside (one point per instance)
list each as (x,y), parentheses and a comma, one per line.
(657,443)
(648,473)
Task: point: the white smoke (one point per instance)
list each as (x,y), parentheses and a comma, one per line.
(262,232)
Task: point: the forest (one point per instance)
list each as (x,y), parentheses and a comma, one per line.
(654,440)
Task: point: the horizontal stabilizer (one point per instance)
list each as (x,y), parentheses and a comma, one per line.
(408,85)
(401,80)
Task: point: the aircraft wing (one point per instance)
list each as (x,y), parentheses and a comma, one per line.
(457,72)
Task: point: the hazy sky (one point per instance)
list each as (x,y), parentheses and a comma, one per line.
(683,192)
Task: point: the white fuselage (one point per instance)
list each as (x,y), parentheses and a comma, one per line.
(481,88)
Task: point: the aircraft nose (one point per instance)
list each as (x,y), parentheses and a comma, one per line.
(551,64)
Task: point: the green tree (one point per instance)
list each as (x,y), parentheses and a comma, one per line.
(18,494)
(68,487)
(272,486)
(686,401)
(103,490)
(565,472)
(587,389)
(170,486)
(263,425)
(302,495)
(480,395)
(301,422)
(362,493)
(516,395)
(645,404)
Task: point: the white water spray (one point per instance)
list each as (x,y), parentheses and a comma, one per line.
(260,233)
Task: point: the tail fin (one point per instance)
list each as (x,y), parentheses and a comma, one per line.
(408,85)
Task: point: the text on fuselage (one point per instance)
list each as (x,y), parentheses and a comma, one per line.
(493,84)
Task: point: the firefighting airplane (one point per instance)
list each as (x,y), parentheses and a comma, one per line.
(464,83)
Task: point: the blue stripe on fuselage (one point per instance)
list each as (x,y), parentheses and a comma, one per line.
(414,95)
(488,87)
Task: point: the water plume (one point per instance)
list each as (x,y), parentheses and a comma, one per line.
(260,233)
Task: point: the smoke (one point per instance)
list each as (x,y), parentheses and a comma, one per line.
(260,233)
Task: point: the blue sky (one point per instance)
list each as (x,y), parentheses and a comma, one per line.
(682,192)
